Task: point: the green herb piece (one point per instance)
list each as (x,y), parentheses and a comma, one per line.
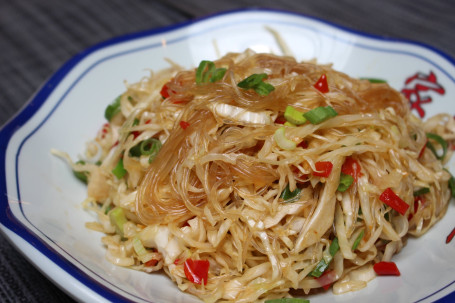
(324,263)
(81,175)
(320,114)
(135,122)
(255,81)
(118,219)
(374,80)
(112,109)
(288,300)
(119,171)
(441,142)
(358,239)
(422,191)
(147,147)
(290,196)
(218,74)
(345,182)
(294,116)
(451,183)
(334,247)
(108,209)
(207,71)
(289,124)
(319,269)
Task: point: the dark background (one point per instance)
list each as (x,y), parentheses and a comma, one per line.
(38,36)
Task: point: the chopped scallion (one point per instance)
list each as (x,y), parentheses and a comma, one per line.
(290,196)
(345,182)
(324,264)
(451,183)
(255,81)
(334,247)
(374,80)
(149,147)
(294,116)
(112,109)
(207,71)
(422,191)
(119,171)
(320,114)
(441,141)
(357,240)
(319,269)
(81,175)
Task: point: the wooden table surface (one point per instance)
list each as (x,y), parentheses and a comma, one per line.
(38,36)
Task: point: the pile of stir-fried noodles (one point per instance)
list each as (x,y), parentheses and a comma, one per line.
(256,177)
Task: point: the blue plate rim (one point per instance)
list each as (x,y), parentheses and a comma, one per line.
(10,222)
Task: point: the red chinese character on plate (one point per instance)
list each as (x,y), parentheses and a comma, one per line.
(414,87)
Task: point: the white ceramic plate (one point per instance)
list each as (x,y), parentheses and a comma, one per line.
(41,212)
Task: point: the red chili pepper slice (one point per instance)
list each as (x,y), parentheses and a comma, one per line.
(322,85)
(323,168)
(326,279)
(196,270)
(135,134)
(184,124)
(386,269)
(450,236)
(351,167)
(392,200)
(151,262)
(280,120)
(165,91)
(303,144)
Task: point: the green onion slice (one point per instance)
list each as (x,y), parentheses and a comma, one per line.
(345,181)
(319,269)
(290,196)
(441,142)
(294,116)
(112,109)
(334,247)
(207,71)
(119,171)
(422,191)
(374,80)
(320,114)
(323,264)
(149,147)
(451,183)
(255,81)
(358,239)
(81,175)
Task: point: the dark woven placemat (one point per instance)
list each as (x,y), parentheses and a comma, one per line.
(38,36)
